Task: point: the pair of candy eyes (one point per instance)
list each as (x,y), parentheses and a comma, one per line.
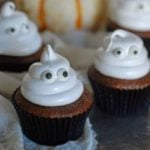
(13,30)
(119,51)
(49,76)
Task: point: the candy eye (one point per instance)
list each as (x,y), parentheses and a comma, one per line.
(63,74)
(140,6)
(12,6)
(143,7)
(25,28)
(118,52)
(134,51)
(11,31)
(48,76)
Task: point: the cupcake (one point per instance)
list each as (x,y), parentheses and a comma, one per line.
(131,15)
(20,42)
(120,75)
(52,103)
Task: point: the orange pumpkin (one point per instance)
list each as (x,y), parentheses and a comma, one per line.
(63,15)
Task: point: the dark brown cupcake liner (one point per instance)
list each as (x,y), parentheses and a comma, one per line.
(51,131)
(12,67)
(120,102)
(19,64)
(147,44)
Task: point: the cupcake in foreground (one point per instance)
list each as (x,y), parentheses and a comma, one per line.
(120,76)
(132,15)
(20,42)
(52,103)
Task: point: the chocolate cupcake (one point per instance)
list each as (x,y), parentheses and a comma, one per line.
(131,15)
(120,75)
(20,42)
(52,103)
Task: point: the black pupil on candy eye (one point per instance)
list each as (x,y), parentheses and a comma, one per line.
(65,74)
(141,6)
(11,7)
(135,52)
(118,52)
(27,27)
(12,29)
(48,75)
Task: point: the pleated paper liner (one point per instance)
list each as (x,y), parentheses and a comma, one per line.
(120,102)
(51,131)
(10,67)
(147,44)
(19,63)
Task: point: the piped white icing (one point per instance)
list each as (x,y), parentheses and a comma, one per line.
(122,56)
(131,14)
(51,82)
(18,35)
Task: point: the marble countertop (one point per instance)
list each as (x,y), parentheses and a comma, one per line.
(113,133)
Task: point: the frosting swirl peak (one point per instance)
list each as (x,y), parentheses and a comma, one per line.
(51,82)
(122,56)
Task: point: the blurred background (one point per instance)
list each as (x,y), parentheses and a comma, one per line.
(60,16)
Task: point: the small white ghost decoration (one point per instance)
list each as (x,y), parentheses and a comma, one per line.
(122,55)
(8,9)
(19,35)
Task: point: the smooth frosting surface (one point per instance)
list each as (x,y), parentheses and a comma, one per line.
(131,14)
(51,82)
(18,35)
(122,56)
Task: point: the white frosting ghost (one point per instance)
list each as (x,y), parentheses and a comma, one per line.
(122,56)
(132,14)
(51,82)
(18,35)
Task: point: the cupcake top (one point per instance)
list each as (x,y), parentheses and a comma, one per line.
(132,14)
(19,36)
(122,56)
(51,82)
